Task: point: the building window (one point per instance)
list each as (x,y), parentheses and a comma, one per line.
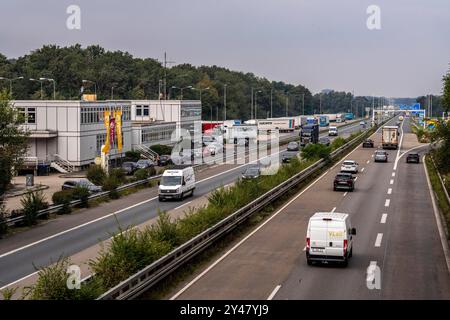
(28,115)
(138,111)
(146,111)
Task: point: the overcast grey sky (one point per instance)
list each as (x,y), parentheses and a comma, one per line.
(318,43)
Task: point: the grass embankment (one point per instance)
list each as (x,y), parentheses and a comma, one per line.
(439,192)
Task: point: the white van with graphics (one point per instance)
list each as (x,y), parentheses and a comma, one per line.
(329,238)
(176,183)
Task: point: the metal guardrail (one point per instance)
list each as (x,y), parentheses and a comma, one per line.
(56,208)
(143,280)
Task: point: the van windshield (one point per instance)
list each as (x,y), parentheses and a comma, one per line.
(171,180)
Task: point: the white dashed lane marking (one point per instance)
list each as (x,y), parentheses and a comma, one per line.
(387,202)
(383,218)
(378,240)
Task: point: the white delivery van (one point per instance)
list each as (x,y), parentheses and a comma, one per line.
(176,183)
(329,238)
(333,131)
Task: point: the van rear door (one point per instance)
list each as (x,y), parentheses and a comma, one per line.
(336,233)
(318,237)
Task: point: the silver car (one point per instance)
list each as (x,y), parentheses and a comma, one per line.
(381,156)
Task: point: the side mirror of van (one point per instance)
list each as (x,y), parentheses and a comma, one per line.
(184,183)
(159,182)
(354,231)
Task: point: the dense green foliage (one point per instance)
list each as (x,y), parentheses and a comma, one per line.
(96,174)
(161,149)
(13,141)
(136,78)
(132,155)
(32,202)
(446,92)
(316,151)
(63,197)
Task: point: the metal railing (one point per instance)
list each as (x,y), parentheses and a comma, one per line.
(145,279)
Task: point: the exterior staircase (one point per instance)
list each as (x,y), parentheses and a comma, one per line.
(147,153)
(61,165)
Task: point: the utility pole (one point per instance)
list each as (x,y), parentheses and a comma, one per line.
(303,104)
(287,104)
(225,100)
(165,74)
(271,103)
(251,108)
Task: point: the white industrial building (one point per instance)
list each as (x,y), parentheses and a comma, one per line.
(68,135)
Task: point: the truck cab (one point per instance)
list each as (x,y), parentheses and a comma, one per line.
(329,238)
(176,183)
(309,134)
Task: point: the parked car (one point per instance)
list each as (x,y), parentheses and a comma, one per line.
(129,167)
(207,140)
(368,143)
(164,160)
(72,184)
(380,156)
(215,148)
(293,146)
(413,157)
(329,238)
(144,164)
(325,141)
(349,166)
(288,155)
(251,173)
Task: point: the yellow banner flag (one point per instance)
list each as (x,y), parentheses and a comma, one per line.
(107,142)
(118,115)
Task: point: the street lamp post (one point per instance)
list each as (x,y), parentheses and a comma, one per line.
(188,87)
(225,100)
(256,104)
(40,81)
(54,85)
(10,83)
(271,103)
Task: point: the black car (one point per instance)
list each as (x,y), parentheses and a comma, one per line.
(251,173)
(287,156)
(344,180)
(413,157)
(72,184)
(164,160)
(129,167)
(368,143)
(325,141)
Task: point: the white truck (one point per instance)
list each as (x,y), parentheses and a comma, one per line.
(389,137)
(283,125)
(297,120)
(241,132)
(329,238)
(176,183)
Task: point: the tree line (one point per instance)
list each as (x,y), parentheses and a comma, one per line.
(119,75)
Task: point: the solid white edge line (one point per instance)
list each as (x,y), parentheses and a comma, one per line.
(442,235)
(16,281)
(383,218)
(274,292)
(399,147)
(245,239)
(378,240)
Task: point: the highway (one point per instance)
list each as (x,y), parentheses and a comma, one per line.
(66,236)
(392,211)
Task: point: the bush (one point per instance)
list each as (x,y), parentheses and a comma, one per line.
(52,285)
(133,155)
(82,193)
(3,225)
(119,175)
(337,143)
(8,293)
(162,149)
(141,174)
(32,202)
(151,171)
(96,175)
(110,184)
(63,197)
(315,151)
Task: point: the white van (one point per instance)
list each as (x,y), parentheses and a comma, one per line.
(329,238)
(176,183)
(332,131)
